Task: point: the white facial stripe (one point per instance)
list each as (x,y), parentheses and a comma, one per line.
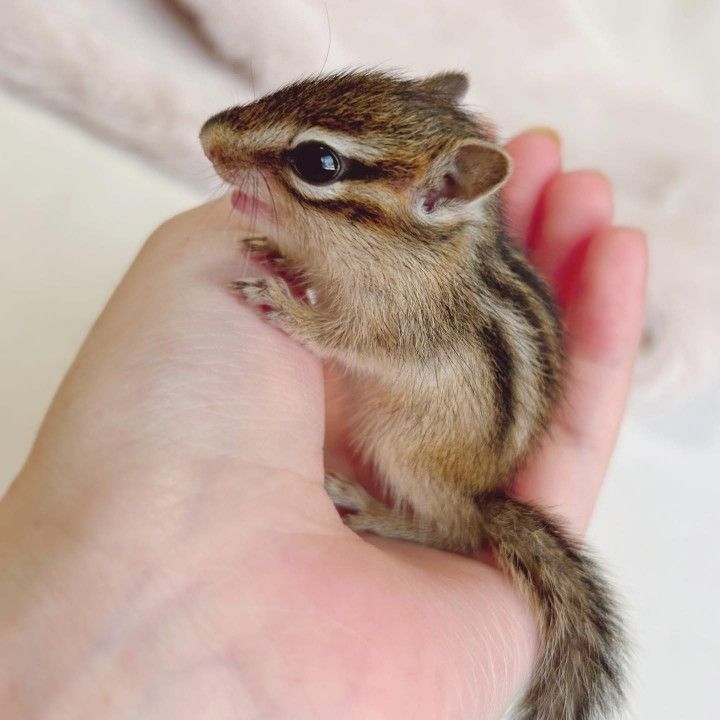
(331,191)
(346,145)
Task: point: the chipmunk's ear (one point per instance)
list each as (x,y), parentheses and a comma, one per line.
(452,85)
(475,170)
(480,168)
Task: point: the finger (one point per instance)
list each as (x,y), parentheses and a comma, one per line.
(574,207)
(604,323)
(536,156)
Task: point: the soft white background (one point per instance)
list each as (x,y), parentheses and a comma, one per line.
(73,212)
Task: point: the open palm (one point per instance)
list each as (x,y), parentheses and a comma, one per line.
(173,517)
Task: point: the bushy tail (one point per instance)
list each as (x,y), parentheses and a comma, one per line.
(579,674)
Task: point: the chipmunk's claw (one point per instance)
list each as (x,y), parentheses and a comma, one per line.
(254,290)
(254,244)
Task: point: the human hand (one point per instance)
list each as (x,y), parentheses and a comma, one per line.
(168,550)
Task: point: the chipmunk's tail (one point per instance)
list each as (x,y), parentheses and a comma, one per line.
(579,674)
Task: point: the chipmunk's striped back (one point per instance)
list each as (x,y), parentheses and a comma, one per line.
(523,332)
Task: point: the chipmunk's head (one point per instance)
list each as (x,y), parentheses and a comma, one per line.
(359,150)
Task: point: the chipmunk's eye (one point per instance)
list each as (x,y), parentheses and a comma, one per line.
(315,163)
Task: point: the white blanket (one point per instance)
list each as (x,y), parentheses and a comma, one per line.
(633,87)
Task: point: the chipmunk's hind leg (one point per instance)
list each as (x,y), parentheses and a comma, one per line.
(370,515)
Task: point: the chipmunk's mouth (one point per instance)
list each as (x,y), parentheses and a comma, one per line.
(249,205)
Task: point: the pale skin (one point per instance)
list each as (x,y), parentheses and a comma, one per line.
(168,551)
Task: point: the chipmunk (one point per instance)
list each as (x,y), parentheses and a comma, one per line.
(382,194)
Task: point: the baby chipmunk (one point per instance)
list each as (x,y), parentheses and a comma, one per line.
(379,194)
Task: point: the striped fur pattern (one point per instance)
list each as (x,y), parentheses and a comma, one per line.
(451,338)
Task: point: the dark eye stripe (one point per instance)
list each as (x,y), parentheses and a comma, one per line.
(358,170)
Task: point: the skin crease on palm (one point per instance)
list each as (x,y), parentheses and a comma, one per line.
(168,550)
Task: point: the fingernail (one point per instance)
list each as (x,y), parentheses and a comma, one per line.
(548,131)
(600,174)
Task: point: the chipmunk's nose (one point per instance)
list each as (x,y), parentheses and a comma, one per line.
(210,135)
(218,140)
(222,144)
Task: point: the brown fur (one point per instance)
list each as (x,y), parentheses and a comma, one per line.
(451,337)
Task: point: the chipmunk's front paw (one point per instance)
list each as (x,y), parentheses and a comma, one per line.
(276,300)
(254,290)
(266,293)
(272,296)
(264,250)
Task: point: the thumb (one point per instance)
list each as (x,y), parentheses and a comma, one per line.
(176,367)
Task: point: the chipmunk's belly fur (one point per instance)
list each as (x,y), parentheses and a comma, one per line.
(431,431)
